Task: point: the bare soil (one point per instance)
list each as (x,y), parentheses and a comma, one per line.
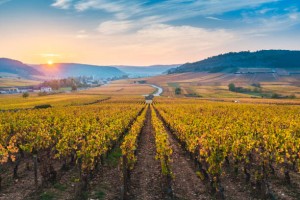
(145,180)
(107,183)
(185,184)
(16,189)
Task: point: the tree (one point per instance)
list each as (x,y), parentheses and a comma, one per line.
(178,91)
(292,96)
(275,96)
(231,87)
(25,95)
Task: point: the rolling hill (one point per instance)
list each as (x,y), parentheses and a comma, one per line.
(145,71)
(17,68)
(63,70)
(234,62)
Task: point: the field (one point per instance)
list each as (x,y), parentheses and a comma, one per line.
(118,88)
(16,101)
(215,85)
(121,148)
(8,102)
(15,82)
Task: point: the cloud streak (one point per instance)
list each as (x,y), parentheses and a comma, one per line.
(62,4)
(165,42)
(214,18)
(169,10)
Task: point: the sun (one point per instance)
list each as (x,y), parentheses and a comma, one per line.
(50,62)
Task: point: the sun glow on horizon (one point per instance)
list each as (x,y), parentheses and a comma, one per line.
(50,62)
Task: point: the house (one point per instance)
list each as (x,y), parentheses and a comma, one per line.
(46,89)
(13,90)
(24,90)
(149,98)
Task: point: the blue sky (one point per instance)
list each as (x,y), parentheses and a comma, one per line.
(143,32)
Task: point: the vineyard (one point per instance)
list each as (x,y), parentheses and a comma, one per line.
(172,149)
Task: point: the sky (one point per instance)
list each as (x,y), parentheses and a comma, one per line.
(143,32)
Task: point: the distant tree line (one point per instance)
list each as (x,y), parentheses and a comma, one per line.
(231,62)
(62,83)
(258,90)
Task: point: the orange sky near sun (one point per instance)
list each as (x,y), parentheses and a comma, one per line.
(34,47)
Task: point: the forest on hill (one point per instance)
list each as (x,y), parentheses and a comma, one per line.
(233,61)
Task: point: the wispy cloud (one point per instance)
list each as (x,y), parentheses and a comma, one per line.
(262,23)
(162,29)
(115,27)
(214,18)
(124,9)
(128,26)
(168,40)
(62,4)
(131,44)
(133,15)
(81,34)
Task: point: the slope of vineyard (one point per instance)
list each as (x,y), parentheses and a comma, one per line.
(9,102)
(255,140)
(175,148)
(81,135)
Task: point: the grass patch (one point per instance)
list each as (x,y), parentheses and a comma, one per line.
(60,186)
(113,157)
(193,95)
(47,196)
(100,194)
(174,85)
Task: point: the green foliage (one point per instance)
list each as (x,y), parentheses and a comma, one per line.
(231,87)
(230,62)
(60,186)
(193,95)
(47,196)
(63,83)
(141,82)
(100,194)
(43,106)
(257,89)
(25,95)
(292,96)
(114,157)
(278,96)
(75,179)
(177,91)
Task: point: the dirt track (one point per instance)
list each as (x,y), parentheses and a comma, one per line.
(145,180)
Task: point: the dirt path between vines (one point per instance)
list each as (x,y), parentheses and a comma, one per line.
(145,180)
(186,184)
